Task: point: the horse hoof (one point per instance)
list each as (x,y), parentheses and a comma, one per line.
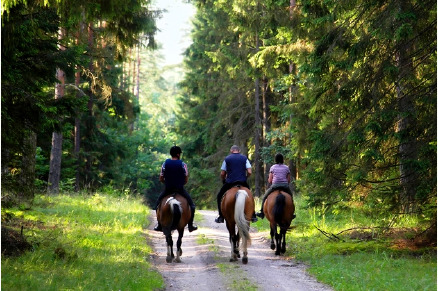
(168,259)
(177,260)
(245,260)
(277,253)
(272,246)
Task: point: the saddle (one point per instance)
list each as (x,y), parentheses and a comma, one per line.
(281,188)
(234,185)
(174,191)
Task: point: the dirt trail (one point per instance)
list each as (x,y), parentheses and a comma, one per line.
(207,250)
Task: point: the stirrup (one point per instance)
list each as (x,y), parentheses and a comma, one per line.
(158,227)
(219,219)
(260,214)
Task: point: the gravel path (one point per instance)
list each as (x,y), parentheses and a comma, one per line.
(205,262)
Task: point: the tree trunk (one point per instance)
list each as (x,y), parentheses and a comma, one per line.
(56,152)
(77,138)
(408,149)
(292,99)
(55,163)
(292,5)
(27,176)
(77,129)
(258,173)
(266,127)
(89,123)
(137,85)
(133,72)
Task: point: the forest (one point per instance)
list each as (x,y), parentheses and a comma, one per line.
(345,90)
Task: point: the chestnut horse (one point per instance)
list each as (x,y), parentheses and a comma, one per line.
(279,209)
(173,213)
(237,208)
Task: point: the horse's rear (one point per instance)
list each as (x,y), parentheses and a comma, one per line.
(237,208)
(279,209)
(173,213)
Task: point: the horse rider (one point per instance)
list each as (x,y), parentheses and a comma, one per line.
(174,174)
(235,170)
(279,178)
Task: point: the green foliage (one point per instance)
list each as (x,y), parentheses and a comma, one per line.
(29,60)
(82,242)
(350,86)
(32,51)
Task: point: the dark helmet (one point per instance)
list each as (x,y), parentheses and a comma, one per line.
(175,151)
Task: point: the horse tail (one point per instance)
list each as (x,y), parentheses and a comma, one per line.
(278,210)
(176,209)
(239,215)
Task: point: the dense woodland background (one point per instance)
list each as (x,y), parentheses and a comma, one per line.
(346,90)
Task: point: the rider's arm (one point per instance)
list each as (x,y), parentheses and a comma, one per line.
(271,176)
(223,171)
(162,174)
(186,170)
(223,175)
(248,168)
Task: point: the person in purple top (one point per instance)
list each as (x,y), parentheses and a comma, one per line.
(235,170)
(279,178)
(174,174)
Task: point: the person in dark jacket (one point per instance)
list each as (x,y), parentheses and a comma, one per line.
(235,170)
(174,174)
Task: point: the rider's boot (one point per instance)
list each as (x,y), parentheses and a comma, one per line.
(261,214)
(158,227)
(191,226)
(219,219)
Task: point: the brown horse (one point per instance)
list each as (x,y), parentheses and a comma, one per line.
(237,208)
(279,209)
(173,213)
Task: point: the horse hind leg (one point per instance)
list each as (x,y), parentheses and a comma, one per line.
(178,247)
(273,231)
(245,250)
(283,241)
(278,242)
(237,247)
(233,257)
(170,254)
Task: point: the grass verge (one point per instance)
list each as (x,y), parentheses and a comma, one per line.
(81,242)
(352,252)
